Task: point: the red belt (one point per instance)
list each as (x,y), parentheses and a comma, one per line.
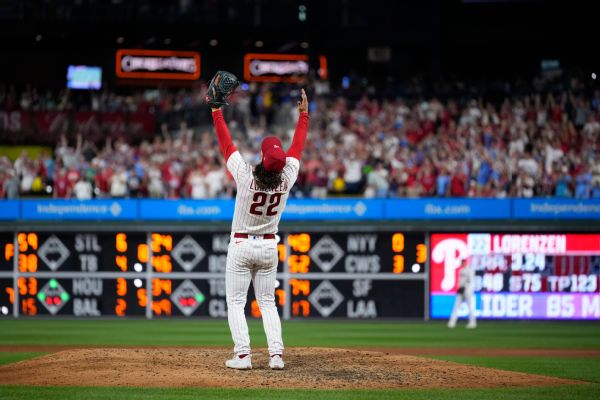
(245,235)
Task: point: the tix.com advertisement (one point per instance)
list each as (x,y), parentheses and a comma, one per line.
(519,275)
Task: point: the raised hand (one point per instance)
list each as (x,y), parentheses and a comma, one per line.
(303,105)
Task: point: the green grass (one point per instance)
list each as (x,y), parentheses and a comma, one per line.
(575,392)
(581,368)
(11,357)
(541,335)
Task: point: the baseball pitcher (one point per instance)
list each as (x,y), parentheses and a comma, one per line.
(262,192)
(466,282)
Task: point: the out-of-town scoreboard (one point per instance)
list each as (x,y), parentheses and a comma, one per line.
(163,274)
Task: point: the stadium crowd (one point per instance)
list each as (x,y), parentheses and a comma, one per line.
(540,143)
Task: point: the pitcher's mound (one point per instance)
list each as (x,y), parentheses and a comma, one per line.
(314,368)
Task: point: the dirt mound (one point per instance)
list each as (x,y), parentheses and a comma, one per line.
(314,368)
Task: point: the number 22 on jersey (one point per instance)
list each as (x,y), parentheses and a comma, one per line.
(260,200)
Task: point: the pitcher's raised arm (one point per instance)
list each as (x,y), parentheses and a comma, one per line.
(223,136)
(297,146)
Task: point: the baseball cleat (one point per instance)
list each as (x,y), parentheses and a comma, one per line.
(471,325)
(237,362)
(276,362)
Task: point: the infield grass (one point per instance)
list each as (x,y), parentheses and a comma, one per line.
(11,357)
(574,392)
(538,335)
(580,368)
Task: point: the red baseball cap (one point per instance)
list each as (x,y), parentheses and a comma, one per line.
(273,155)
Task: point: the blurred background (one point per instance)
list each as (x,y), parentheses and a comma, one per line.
(408,99)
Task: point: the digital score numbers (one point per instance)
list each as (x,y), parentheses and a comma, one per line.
(356,275)
(181,253)
(6,268)
(370,253)
(78,261)
(82,252)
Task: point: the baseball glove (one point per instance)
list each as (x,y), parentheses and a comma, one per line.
(222,85)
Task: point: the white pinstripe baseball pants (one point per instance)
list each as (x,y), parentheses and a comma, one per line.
(253,259)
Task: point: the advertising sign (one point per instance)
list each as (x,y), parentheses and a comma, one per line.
(279,67)
(157,64)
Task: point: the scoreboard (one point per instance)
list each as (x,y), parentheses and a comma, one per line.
(519,275)
(356,275)
(321,274)
(80,274)
(182,274)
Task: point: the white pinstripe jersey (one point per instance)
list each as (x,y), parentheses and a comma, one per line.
(258,212)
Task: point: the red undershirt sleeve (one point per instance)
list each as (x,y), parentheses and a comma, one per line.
(223,136)
(297,146)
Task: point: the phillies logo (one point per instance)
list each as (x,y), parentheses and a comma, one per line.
(448,253)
